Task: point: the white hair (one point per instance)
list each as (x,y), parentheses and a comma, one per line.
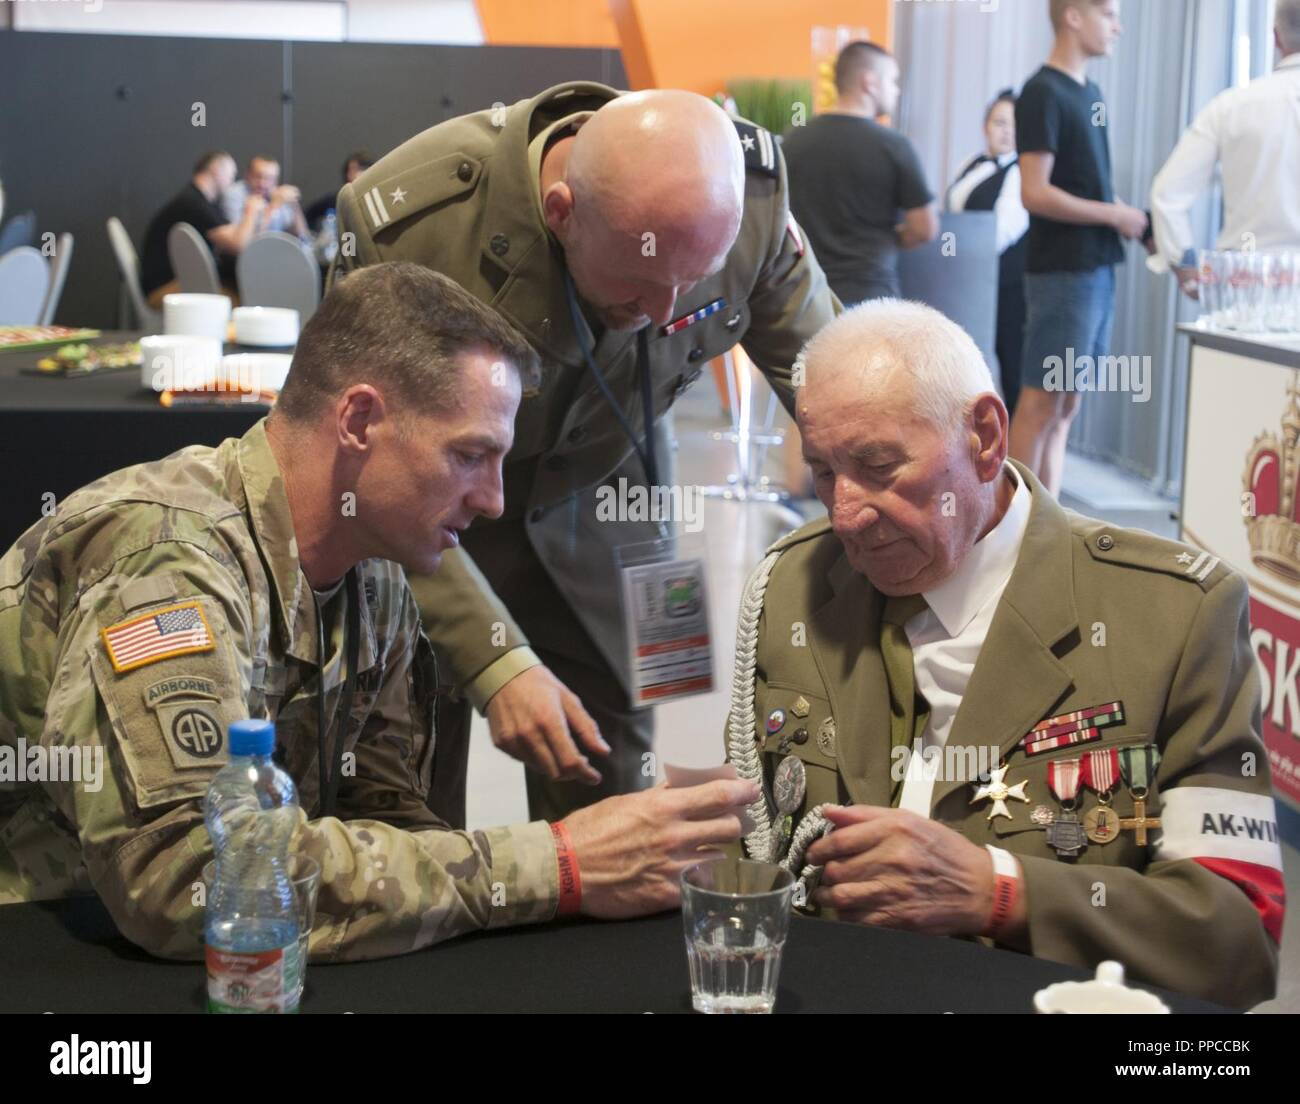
(1287,21)
(945,366)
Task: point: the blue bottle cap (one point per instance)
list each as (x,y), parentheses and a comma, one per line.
(252,738)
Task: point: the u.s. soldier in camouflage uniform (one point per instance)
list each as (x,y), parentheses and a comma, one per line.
(165,601)
(657,206)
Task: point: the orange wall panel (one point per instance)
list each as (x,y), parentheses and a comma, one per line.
(547,23)
(701,44)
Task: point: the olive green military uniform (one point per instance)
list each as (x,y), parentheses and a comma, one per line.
(1092,614)
(203,542)
(463,198)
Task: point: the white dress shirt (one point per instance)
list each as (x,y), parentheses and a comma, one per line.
(947,636)
(234,198)
(1009,212)
(1253,133)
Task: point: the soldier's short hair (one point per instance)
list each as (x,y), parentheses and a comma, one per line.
(855,59)
(401,327)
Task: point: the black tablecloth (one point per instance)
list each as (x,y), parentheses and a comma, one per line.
(67,957)
(59,434)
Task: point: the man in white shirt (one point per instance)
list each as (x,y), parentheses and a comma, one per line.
(1066,684)
(1253,135)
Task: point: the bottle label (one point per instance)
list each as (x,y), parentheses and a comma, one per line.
(263,981)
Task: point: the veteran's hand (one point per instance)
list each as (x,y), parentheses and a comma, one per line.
(534,718)
(632,849)
(900,870)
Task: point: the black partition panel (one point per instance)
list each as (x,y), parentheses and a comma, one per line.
(350,95)
(100,125)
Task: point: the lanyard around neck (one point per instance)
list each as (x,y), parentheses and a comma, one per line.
(646,453)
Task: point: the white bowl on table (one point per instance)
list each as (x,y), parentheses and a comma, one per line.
(178,362)
(253,372)
(266,326)
(196,314)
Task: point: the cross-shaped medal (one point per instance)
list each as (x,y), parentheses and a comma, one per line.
(997,791)
(1139,821)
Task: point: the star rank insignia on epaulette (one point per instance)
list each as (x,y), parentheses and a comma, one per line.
(759,147)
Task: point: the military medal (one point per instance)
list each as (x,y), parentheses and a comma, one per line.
(775,721)
(826,737)
(1065,835)
(1042,816)
(1138,766)
(800,707)
(789,784)
(679,324)
(1100,772)
(1078,727)
(997,791)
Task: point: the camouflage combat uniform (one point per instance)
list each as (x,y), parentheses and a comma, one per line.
(207,533)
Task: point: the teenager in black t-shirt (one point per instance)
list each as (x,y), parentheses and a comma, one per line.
(1075,227)
(197,203)
(850,178)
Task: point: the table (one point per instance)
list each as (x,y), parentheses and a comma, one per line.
(59,434)
(67,956)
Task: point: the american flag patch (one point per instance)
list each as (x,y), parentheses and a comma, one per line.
(172,631)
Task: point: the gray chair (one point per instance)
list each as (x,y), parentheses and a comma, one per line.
(58,274)
(277,270)
(128,264)
(192,260)
(24,282)
(958,275)
(18,231)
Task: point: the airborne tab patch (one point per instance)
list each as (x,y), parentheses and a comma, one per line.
(171,631)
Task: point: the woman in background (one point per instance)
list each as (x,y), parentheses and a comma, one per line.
(991,182)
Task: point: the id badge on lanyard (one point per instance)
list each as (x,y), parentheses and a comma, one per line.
(664,600)
(666,614)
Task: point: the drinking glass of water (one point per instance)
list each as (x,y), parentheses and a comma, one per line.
(736,914)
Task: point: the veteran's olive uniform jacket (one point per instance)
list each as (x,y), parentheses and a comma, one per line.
(1092,614)
(208,532)
(462,198)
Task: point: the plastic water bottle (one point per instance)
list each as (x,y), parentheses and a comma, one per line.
(251,926)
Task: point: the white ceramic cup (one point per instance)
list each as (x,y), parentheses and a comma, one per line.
(254,372)
(1106,993)
(178,362)
(196,315)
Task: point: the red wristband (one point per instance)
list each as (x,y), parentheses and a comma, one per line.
(1006,890)
(570,880)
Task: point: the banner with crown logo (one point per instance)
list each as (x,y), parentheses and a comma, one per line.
(1241,506)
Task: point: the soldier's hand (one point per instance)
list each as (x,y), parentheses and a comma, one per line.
(896,869)
(632,849)
(534,718)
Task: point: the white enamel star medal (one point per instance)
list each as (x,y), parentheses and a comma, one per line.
(997,791)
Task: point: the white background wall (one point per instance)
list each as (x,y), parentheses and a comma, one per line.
(445,21)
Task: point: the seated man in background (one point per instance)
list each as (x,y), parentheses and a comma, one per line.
(281,203)
(356,163)
(1020,723)
(166,601)
(197,204)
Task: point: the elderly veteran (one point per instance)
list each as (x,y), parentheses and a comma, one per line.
(978,714)
(264,578)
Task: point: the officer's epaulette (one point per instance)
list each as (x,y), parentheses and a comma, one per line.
(807,532)
(759,147)
(386,194)
(1138,548)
